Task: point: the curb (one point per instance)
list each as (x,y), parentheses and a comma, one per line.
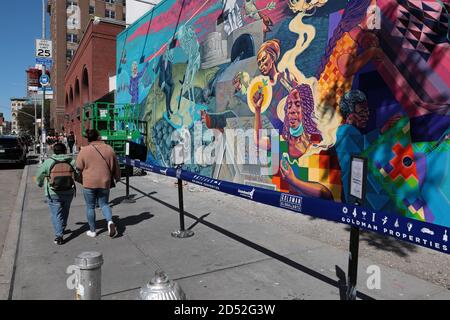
(10,249)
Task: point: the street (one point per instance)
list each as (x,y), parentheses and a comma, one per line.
(9,184)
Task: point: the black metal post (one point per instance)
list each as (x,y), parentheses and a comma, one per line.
(182,233)
(128,199)
(353,264)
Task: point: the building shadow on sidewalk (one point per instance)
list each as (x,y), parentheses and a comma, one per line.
(102,226)
(400,248)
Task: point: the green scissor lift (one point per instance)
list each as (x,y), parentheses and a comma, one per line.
(116,123)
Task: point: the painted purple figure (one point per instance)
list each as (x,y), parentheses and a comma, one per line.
(134,81)
(300,129)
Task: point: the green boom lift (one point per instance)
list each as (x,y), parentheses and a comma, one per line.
(118,124)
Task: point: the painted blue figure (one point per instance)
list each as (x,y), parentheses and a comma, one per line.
(189,44)
(166,83)
(349,139)
(134,81)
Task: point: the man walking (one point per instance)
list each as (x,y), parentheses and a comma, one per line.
(71,141)
(100,169)
(57,175)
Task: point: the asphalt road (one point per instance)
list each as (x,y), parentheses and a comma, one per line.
(9,185)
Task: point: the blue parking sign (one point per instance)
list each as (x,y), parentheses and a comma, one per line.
(44,80)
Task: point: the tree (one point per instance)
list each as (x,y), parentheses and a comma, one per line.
(25,117)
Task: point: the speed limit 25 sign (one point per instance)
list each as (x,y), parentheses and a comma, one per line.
(43,49)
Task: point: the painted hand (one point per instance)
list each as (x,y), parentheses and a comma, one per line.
(391,122)
(286,171)
(258,100)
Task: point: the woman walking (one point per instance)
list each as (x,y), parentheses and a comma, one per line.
(100,170)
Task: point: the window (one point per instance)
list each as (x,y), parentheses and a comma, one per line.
(71,3)
(124,17)
(72,37)
(109,1)
(70,53)
(110,14)
(91,9)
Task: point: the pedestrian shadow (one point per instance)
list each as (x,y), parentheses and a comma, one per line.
(102,226)
(119,200)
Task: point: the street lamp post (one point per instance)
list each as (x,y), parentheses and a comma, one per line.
(43,91)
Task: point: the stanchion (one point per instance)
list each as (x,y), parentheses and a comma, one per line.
(357,187)
(128,199)
(353,264)
(182,233)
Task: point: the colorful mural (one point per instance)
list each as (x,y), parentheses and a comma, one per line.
(334,78)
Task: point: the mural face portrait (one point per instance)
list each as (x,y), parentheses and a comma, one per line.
(362,112)
(294,112)
(265,63)
(134,69)
(237,83)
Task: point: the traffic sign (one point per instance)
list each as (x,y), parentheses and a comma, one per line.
(45,62)
(44,80)
(43,48)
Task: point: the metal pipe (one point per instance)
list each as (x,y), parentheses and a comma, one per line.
(43,90)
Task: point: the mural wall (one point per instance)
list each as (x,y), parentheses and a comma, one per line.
(334,78)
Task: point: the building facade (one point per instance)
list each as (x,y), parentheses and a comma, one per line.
(88,77)
(16,105)
(68,21)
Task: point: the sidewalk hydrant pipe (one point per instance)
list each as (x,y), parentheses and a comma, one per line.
(90,276)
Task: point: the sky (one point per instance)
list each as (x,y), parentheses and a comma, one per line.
(20,25)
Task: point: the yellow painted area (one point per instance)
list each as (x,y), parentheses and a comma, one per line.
(257,84)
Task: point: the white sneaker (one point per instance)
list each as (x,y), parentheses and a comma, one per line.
(111,229)
(91,234)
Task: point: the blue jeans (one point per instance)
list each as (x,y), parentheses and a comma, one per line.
(92,196)
(59,208)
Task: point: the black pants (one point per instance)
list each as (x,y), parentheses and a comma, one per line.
(71,147)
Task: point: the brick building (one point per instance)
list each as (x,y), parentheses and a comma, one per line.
(87,79)
(68,21)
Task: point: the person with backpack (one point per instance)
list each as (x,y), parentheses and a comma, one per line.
(100,169)
(57,175)
(71,141)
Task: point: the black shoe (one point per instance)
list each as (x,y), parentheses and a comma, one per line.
(58,241)
(112,231)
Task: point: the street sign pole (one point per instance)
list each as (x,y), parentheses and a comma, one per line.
(43,118)
(35,127)
(43,87)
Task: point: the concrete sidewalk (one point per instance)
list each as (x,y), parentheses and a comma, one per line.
(238,250)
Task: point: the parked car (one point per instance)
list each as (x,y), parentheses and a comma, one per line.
(12,150)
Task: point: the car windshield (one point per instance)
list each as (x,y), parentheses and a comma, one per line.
(7,143)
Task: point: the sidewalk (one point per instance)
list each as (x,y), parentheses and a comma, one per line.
(239,251)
